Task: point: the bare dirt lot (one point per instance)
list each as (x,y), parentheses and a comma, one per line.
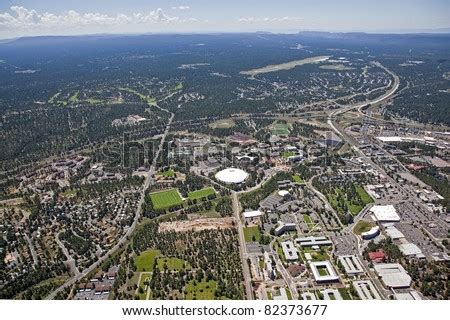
(197,224)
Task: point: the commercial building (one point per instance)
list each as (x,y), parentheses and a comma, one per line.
(393,275)
(385,213)
(411,250)
(393,233)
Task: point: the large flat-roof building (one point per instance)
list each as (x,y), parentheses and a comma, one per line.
(284,227)
(323,271)
(393,233)
(393,275)
(289,250)
(366,290)
(313,241)
(411,250)
(385,213)
(351,264)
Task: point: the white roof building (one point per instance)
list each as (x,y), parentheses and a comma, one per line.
(410,249)
(393,275)
(366,290)
(412,295)
(289,250)
(313,241)
(386,213)
(393,232)
(252,214)
(232,176)
(323,271)
(351,264)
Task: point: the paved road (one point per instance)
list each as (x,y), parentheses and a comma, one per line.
(242,247)
(32,250)
(70,261)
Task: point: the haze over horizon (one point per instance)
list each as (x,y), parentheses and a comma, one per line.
(51,17)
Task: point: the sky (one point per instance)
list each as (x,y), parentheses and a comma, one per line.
(20,18)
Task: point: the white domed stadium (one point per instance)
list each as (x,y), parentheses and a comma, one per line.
(232,176)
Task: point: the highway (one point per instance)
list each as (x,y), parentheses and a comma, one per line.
(242,247)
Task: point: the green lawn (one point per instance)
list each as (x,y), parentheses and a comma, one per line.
(307,219)
(287,154)
(200,290)
(173,264)
(297,179)
(344,293)
(319,256)
(144,277)
(149,100)
(252,234)
(203,193)
(281,129)
(364,195)
(146,260)
(323,271)
(168,173)
(166,199)
(363,226)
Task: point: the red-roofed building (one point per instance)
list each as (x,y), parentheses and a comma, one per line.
(377,256)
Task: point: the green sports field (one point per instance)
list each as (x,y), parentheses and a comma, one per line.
(166,199)
(281,129)
(202,193)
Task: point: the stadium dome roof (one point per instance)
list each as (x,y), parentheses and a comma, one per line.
(232,175)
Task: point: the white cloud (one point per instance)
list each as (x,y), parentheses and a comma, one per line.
(22,19)
(268,20)
(181,8)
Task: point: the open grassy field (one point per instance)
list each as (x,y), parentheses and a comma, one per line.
(168,173)
(252,234)
(203,290)
(146,260)
(287,154)
(281,129)
(222,124)
(202,193)
(284,66)
(144,277)
(173,264)
(364,195)
(166,199)
(363,226)
(297,179)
